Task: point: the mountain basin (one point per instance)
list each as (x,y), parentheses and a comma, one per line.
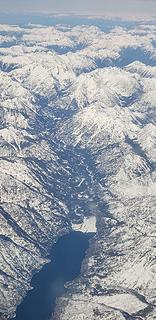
(66,258)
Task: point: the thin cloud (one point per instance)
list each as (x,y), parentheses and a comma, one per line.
(132,7)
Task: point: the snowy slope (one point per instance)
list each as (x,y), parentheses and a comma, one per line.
(78,136)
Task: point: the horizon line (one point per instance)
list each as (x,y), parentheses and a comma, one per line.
(88,15)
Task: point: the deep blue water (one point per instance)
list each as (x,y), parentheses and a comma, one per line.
(66,259)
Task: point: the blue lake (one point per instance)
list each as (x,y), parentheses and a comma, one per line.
(66,259)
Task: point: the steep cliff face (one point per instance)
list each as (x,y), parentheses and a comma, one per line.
(77,141)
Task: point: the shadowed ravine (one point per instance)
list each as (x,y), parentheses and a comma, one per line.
(66,259)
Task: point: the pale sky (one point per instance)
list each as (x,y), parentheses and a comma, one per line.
(115,7)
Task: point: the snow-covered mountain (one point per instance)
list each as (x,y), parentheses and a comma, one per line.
(78,134)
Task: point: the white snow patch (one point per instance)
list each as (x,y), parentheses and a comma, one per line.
(88,225)
(126,302)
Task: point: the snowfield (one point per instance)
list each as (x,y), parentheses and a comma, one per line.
(78,137)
